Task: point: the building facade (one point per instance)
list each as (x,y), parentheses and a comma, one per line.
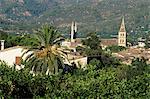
(122,35)
(13,56)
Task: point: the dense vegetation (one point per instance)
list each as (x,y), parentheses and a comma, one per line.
(16,40)
(103,16)
(115,48)
(47,53)
(121,82)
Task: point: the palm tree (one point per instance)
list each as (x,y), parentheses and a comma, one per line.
(46,55)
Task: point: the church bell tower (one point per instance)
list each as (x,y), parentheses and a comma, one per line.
(122,35)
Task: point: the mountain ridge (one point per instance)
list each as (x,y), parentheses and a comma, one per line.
(91,15)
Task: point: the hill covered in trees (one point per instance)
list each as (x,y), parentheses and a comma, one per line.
(103,16)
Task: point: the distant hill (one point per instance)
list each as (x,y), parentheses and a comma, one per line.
(103,16)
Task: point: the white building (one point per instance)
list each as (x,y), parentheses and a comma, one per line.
(13,56)
(73,42)
(141,42)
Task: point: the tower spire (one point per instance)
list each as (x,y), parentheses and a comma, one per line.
(73,31)
(122,27)
(75,28)
(122,34)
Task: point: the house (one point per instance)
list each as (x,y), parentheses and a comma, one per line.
(108,42)
(13,56)
(75,57)
(128,55)
(73,42)
(141,42)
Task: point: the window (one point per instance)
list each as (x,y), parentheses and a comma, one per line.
(121,34)
(122,41)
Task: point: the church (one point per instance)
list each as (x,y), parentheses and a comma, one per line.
(120,41)
(73,42)
(122,35)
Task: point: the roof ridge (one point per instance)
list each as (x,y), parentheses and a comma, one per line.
(14,47)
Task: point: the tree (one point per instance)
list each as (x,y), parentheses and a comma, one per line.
(92,41)
(115,48)
(3,35)
(92,45)
(138,67)
(147,42)
(46,56)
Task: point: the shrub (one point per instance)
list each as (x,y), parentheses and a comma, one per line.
(89,83)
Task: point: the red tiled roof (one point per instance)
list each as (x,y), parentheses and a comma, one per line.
(130,53)
(109,42)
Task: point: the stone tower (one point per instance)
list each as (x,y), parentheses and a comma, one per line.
(73,31)
(122,35)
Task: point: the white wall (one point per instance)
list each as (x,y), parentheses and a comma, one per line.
(141,44)
(9,55)
(80,61)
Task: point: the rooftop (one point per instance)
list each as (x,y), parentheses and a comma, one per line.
(11,48)
(132,53)
(109,42)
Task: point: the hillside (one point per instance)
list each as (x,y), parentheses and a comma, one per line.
(103,16)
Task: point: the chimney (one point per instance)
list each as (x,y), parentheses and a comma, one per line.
(2,44)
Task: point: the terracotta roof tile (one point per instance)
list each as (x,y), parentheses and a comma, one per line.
(109,42)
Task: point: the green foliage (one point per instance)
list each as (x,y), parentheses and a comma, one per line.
(3,35)
(46,55)
(92,41)
(93,15)
(138,67)
(17,40)
(96,56)
(147,42)
(80,50)
(115,48)
(95,62)
(89,83)
(92,45)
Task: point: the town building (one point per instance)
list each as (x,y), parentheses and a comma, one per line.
(131,53)
(73,42)
(120,41)
(122,35)
(108,42)
(141,42)
(13,56)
